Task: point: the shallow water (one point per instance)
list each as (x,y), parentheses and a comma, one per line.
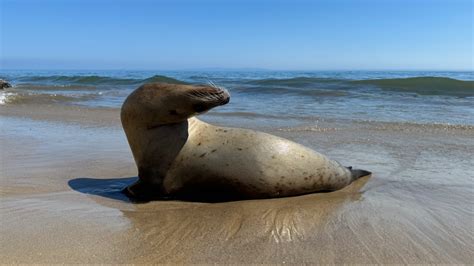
(424,97)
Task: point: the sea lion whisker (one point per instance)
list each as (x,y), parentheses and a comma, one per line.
(212,84)
(209,82)
(206,95)
(199,94)
(225,90)
(220,88)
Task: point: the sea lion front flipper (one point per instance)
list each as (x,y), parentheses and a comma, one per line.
(143,192)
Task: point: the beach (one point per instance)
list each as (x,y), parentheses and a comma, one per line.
(61,201)
(63,167)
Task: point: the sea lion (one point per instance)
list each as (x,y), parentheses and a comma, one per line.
(178,155)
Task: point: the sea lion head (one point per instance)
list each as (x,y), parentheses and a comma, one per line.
(161,103)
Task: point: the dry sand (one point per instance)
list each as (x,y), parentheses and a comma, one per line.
(62,170)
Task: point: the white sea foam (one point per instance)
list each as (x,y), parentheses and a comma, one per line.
(5,97)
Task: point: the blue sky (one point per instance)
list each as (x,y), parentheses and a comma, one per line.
(286,35)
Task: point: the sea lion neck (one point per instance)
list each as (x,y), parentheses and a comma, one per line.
(157,156)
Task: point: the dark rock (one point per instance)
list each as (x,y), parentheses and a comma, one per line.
(4,84)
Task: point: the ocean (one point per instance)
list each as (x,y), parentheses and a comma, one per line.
(279,96)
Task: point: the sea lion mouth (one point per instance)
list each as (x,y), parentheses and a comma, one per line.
(209,96)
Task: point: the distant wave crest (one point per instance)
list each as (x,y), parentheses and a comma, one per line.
(418,85)
(425,85)
(294,82)
(97,80)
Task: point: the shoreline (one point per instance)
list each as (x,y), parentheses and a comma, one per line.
(110,117)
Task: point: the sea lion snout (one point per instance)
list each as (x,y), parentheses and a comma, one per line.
(226,100)
(208,97)
(156,104)
(210,93)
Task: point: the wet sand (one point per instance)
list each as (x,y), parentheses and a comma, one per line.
(62,169)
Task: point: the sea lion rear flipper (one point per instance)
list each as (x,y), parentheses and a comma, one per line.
(358,173)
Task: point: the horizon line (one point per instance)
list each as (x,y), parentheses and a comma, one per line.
(235,69)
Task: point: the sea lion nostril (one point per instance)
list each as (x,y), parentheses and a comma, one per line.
(226,100)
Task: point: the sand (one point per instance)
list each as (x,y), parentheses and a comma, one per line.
(62,169)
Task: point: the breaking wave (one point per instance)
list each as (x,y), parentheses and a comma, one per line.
(425,85)
(418,85)
(95,80)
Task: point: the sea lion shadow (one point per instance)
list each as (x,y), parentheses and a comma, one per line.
(112,188)
(108,188)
